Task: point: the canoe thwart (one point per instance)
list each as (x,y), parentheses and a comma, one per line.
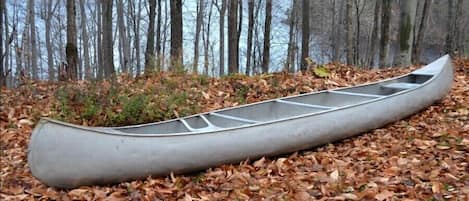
(234,118)
(305,105)
(357,94)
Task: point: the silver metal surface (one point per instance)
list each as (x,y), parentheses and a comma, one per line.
(66,156)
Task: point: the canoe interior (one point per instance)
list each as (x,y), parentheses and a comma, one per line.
(281,108)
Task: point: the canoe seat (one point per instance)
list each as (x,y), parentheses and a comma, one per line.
(356,94)
(400,85)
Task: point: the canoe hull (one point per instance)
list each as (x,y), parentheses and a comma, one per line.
(67,157)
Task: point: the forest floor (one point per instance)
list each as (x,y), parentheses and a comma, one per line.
(422,157)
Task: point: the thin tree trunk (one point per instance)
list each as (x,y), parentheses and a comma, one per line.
(240,28)
(459,27)
(48,23)
(233,37)
(305,35)
(130,51)
(222,38)
(108,57)
(250,32)
(84,33)
(136,12)
(385,29)
(334,30)
(421,31)
(268,22)
(71,50)
(374,34)
(2,66)
(177,63)
(207,39)
(257,45)
(349,31)
(198,27)
(406,31)
(159,57)
(39,56)
(292,18)
(99,35)
(165,33)
(450,28)
(149,52)
(356,53)
(32,37)
(8,40)
(123,37)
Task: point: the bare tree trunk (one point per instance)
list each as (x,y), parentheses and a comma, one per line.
(421,31)
(233,37)
(2,66)
(84,35)
(130,50)
(257,45)
(268,22)
(149,52)
(99,35)
(32,37)
(177,63)
(136,29)
(48,23)
(349,31)
(305,35)
(250,32)
(39,56)
(334,33)
(71,48)
(207,39)
(406,31)
(374,34)
(450,28)
(291,43)
(385,29)
(240,28)
(459,27)
(108,57)
(165,33)
(123,37)
(222,11)
(198,27)
(159,57)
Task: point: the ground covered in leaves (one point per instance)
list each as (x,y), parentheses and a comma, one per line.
(423,157)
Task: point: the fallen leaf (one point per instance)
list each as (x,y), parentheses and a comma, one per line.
(384,195)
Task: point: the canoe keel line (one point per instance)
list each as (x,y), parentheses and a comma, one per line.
(66,156)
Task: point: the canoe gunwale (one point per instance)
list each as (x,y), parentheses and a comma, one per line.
(111,131)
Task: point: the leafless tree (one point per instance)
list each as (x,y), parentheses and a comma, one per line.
(408,9)
(233,37)
(417,49)
(268,22)
(349,30)
(71,48)
(149,52)
(198,27)
(250,32)
(108,61)
(222,11)
(176,36)
(124,43)
(385,29)
(305,35)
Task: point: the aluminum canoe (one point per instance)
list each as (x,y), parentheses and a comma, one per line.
(66,156)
